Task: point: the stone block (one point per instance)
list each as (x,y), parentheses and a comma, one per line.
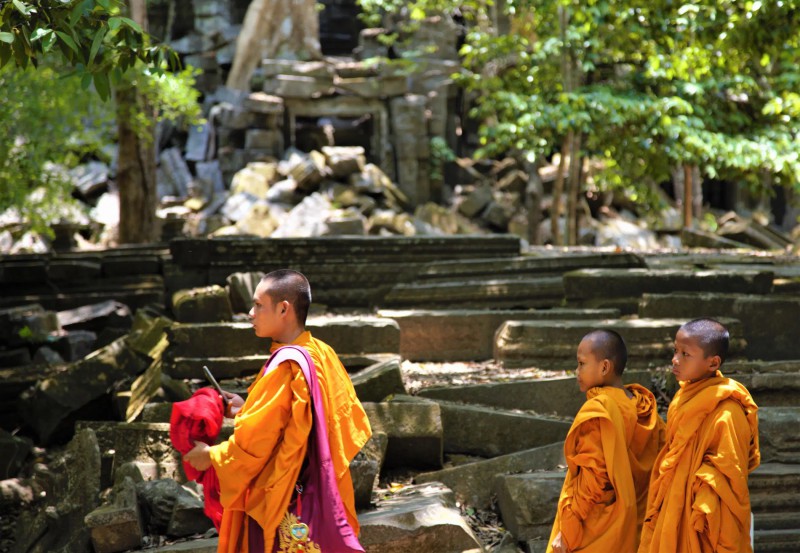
(418,518)
(259,102)
(414,432)
(546,396)
(187,516)
(366,467)
(241,287)
(374,87)
(73,345)
(202,305)
(378,381)
(117,526)
(467,334)
(476,201)
(552,344)
(296,86)
(148,445)
(48,406)
(777,444)
(490,432)
(497,293)
(264,139)
(618,288)
(764,318)
(344,160)
(473,483)
(16,450)
(96,316)
(527,502)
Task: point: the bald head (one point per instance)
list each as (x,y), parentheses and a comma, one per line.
(290,286)
(712,337)
(607,344)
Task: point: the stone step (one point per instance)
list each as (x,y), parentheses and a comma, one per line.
(788,520)
(414,431)
(467,334)
(527,502)
(773,490)
(777,541)
(764,318)
(473,483)
(770,389)
(489,432)
(622,288)
(552,344)
(547,396)
(498,293)
(206,545)
(417,518)
(193,252)
(527,265)
(346,335)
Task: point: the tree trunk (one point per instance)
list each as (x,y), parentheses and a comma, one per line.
(273,28)
(574,188)
(687,197)
(558,191)
(534,191)
(136,174)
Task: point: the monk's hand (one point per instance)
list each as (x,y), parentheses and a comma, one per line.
(234,404)
(199,457)
(558,544)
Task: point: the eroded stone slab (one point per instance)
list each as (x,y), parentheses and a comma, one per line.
(419,518)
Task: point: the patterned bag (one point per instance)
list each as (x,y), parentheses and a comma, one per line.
(316,521)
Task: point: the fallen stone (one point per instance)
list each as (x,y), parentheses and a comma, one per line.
(527,503)
(58,525)
(73,345)
(344,160)
(623,288)
(241,288)
(473,482)
(490,432)
(764,318)
(47,356)
(552,344)
(149,446)
(15,357)
(366,467)
(117,526)
(378,381)
(418,518)
(467,334)
(97,316)
(202,305)
(414,432)
(547,396)
(206,545)
(475,201)
(187,516)
(48,406)
(16,450)
(27,323)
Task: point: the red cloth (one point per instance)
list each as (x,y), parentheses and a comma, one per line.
(199,418)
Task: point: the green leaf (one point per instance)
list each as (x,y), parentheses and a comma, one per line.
(48,41)
(68,41)
(5,54)
(23,8)
(132,24)
(101,85)
(98,40)
(40,33)
(104,4)
(114,23)
(6,37)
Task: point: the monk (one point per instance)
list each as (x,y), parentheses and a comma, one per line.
(699,501)
(258,466)
(610,450)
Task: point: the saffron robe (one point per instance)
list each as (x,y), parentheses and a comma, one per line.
(259,464)
(699,500)
(610,450)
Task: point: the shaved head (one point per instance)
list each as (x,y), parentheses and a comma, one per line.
(712,336)
(607,344)
(290,286)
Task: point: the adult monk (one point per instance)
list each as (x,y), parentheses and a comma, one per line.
(610,450)
(259,465)
(699,501)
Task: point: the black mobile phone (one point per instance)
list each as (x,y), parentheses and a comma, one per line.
(213,381)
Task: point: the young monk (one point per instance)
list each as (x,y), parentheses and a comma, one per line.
(258,466)
(610,450)
(699,501)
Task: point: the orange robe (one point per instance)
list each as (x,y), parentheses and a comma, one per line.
(610,450)
(259,464)
(699,501)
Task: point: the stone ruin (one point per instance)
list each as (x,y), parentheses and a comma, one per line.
(459,347)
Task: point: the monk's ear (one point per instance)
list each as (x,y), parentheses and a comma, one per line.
(714,363)
(606,367)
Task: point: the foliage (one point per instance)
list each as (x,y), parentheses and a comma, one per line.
(49,125)
(91,36)
(650,85)
(440,154)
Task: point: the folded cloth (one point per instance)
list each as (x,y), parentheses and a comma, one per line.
(199,418)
